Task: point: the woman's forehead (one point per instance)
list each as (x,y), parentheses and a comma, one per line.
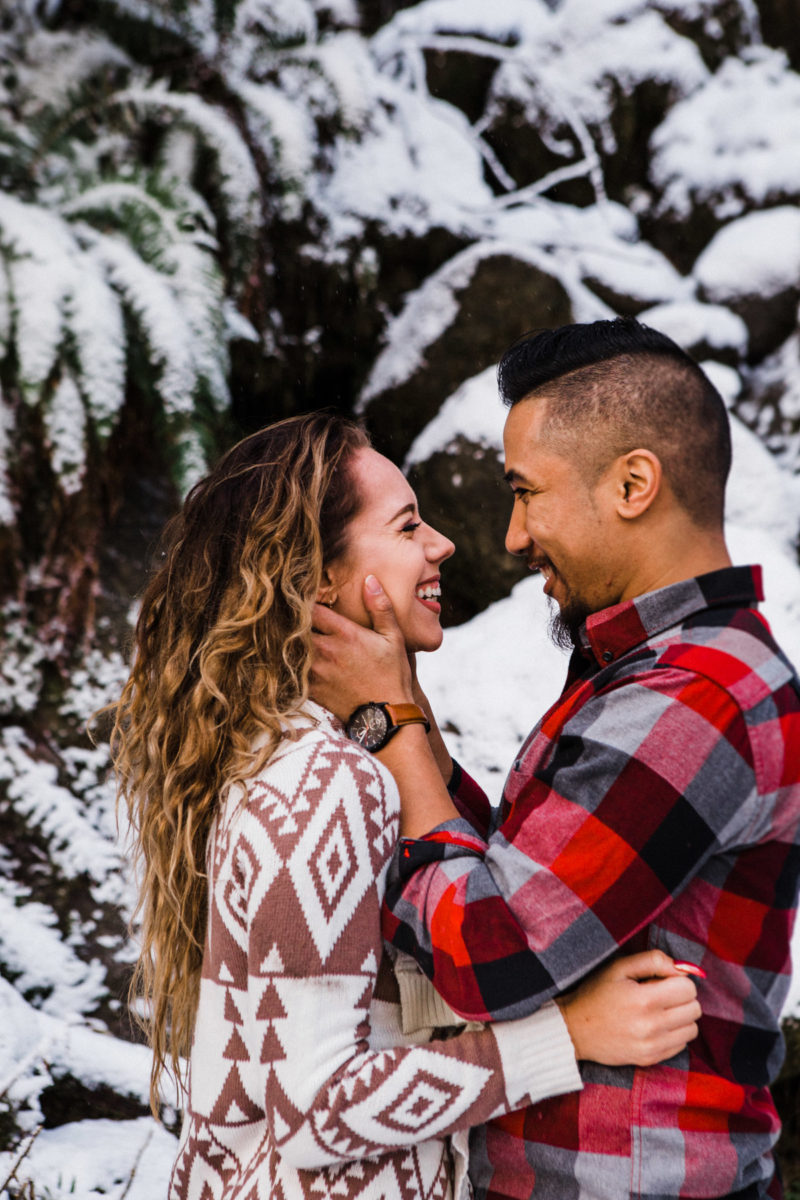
(380,481)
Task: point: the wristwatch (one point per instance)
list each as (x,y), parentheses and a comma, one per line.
(372,724)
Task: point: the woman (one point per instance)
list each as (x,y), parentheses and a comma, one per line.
(264,834)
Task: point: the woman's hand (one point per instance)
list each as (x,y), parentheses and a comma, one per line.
(637,1011)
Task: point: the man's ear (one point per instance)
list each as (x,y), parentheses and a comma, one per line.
(328,592)
(638,480)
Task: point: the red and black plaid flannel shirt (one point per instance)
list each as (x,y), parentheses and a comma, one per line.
(657,803)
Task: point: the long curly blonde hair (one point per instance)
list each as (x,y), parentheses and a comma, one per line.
(222,654)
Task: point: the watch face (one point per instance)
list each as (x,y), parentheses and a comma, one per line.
(368,726)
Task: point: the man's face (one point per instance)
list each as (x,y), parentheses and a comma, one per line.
(560,524)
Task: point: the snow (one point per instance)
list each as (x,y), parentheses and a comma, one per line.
(689,321)
(758,255)
(89,1160)
(65,431)
(429,310)
(726,144)
(239,179)
(474,412)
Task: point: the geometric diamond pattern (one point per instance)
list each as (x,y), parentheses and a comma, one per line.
(288,1099)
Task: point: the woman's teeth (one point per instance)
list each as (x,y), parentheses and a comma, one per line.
(429,591)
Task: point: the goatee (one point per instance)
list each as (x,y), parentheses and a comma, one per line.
(566,622)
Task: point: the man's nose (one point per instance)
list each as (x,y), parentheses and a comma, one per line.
(518,540)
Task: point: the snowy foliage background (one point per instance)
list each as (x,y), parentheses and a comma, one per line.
(213,214)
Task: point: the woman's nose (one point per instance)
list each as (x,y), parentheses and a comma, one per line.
(439,547)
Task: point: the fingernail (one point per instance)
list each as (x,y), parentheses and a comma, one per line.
(688,968)
(373,585)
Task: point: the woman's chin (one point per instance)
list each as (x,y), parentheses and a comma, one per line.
(424,644)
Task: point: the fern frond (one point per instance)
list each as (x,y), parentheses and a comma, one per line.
(65,434)
(238,179)
(40,256)
(8,513)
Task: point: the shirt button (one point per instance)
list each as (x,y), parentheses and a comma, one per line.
(607,656)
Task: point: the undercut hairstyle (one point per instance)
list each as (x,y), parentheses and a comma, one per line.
(615,386)
(223,650)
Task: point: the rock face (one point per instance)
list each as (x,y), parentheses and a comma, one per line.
(461,492)
(780,27)
(474,307)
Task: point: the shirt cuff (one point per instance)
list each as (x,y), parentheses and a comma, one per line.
(421,1006)
(537,1056)
(451,839)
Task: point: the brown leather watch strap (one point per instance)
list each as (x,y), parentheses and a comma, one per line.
(407,714)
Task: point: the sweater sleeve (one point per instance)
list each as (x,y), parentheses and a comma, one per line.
(300,882)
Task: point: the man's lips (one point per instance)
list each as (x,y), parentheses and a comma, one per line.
(545,568)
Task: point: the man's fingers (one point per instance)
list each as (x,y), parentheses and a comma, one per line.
(325,620)
(379,607)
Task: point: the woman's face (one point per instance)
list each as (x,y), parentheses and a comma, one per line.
(387,539)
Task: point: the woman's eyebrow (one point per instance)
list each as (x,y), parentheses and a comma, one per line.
(407,508)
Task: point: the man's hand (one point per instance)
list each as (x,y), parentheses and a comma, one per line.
(353,665)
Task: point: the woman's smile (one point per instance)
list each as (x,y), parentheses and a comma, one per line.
(388,538)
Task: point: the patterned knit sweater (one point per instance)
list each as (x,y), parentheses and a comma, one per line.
(302,1082)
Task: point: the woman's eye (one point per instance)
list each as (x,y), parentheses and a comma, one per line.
(411,526)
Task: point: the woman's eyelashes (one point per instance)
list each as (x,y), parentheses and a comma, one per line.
(411,526)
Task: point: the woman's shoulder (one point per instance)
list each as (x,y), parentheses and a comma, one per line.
(316,755)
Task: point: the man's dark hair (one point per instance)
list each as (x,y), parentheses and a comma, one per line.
(615,386)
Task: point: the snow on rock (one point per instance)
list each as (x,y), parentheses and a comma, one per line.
(635,276)
(700,328)
(593,49)
(507,23)
(474,412)
(761,496)
(725,145)
(416,165)
(772,407)
(433,307)
(757,255)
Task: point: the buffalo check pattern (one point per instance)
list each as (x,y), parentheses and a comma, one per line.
(656,804)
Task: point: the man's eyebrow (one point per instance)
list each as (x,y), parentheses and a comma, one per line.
(513,476)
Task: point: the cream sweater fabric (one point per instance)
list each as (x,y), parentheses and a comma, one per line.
(303,1084)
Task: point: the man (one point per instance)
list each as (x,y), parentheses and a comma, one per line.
(657,803)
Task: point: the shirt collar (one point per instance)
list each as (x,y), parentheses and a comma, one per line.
(614,631)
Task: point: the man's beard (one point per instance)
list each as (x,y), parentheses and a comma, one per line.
(566,621)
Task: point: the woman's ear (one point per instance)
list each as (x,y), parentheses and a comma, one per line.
(638,482)
(327,594)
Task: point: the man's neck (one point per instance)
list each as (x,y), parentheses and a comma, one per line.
(678,558)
